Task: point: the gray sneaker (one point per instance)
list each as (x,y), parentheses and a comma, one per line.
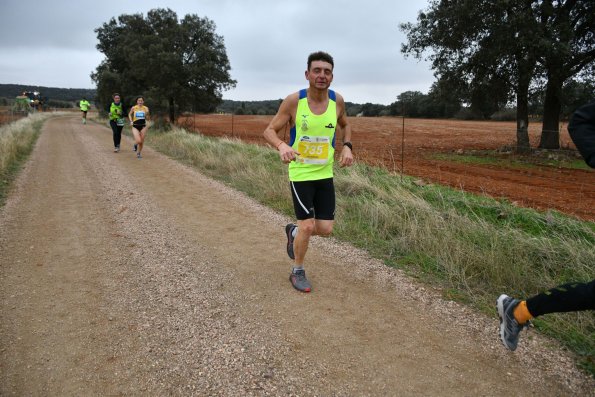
(509,327)
(289,232)
(299,281)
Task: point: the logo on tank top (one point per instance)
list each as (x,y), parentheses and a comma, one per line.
(304,122)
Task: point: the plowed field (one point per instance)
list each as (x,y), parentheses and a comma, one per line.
(379,141)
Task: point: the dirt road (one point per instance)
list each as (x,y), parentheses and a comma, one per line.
(121,276)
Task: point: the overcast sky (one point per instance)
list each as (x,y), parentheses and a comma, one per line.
(52,43)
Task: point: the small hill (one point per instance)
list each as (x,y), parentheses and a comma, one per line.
(53,93)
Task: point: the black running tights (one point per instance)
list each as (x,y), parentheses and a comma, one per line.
(563,298)
(117,132)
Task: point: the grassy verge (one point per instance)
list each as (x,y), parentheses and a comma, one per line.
(16,143)
(461,243)
(560,160)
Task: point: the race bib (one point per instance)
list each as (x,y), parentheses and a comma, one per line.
(139,115)
(313,149)
(120,122)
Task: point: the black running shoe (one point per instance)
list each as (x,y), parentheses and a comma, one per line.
(299,281)
(134,147)
(289,232)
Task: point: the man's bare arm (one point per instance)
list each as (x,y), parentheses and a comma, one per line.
(284,115)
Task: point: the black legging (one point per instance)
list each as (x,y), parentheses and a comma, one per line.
(563,298)
(117,132)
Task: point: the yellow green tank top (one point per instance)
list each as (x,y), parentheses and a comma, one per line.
(313,136)
(116,111)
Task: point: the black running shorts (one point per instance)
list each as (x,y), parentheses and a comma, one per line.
(314,199)
(139,124)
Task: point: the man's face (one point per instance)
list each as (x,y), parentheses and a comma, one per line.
(117,99)
(320,74)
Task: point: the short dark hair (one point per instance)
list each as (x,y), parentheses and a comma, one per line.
(115,94)
(320,56)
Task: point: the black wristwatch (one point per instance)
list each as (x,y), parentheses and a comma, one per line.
(348,144)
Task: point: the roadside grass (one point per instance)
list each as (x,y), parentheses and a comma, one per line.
(472,248)
(560,160)
(16,143)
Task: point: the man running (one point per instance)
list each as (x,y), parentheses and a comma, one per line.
(84,105)
(313,114)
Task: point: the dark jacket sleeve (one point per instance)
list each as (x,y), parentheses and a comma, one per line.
(582,132)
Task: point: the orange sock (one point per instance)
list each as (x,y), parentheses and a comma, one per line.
(521,313)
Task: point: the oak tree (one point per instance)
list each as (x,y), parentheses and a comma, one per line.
(176,64)
(507,46)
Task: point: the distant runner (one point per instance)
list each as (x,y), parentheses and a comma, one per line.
(84,105)
(116,120)
(138,116)
(313,114)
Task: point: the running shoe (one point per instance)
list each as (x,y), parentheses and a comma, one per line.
(299,281)
(134,147)
(138,156)
(289,232)
(509,327)
(116,149)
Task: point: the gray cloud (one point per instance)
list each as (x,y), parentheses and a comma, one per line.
(267,42)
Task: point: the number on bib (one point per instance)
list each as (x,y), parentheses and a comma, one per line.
(313,150)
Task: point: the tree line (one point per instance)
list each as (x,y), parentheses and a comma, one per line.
(493,59)
(438,103)
(53,97)
(409,103)
(502,51)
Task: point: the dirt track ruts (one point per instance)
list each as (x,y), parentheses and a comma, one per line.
(121,276)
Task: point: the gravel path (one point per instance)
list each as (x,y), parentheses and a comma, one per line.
(121,276)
